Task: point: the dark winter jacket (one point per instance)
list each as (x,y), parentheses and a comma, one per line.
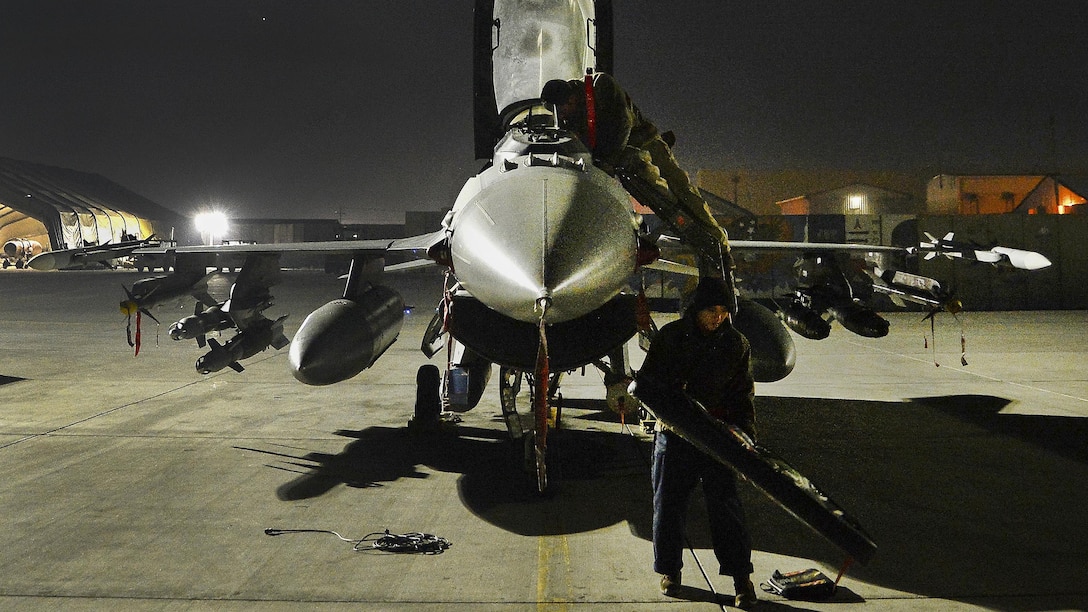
(714,370)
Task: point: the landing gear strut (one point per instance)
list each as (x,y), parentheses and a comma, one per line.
(546,415)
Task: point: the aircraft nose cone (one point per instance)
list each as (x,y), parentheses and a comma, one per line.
(545,232)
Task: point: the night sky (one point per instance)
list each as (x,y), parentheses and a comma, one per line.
(302,108)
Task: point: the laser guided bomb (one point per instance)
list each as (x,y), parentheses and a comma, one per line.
(902,287)
(258,336)
(799,316)
(823,289)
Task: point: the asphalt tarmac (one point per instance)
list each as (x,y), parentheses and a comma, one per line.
(139,484)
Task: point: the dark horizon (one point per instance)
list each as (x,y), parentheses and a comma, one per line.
(283,109)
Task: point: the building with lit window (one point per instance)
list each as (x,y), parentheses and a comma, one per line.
(948,194)
(854,199)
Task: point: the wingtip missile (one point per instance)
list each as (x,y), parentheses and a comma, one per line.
(998,255)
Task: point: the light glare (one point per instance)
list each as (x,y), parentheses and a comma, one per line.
(211,224)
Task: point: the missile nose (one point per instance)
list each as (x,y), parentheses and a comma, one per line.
(179,332)
(1036,261)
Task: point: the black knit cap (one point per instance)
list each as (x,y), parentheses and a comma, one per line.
(556,92)
(711,292)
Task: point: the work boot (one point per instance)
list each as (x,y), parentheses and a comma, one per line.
(670,584)
(746,593)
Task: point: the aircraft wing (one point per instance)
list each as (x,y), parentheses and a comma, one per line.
(824,292)
(418,245)
(737,246)
(998,255)
(413,243)
(83,256)
(812,247)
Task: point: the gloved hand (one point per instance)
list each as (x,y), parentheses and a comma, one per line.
(635,160)
(749,428)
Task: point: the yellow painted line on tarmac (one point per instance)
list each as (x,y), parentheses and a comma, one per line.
(553,565)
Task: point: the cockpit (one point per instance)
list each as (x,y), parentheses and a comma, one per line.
(522,44)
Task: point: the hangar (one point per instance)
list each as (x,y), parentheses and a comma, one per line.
(49,208)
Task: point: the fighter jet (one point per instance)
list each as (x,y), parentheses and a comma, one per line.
(18,251)
(540,248)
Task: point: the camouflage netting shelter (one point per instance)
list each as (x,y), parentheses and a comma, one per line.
(64,209)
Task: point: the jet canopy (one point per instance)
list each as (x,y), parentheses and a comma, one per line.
(522,44)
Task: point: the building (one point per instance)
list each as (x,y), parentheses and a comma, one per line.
(853,199)
(948,194)
(762,191)
(282,230)
(64,209)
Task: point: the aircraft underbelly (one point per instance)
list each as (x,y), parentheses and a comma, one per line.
(571,344)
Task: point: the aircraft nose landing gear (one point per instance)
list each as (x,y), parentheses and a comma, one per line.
(535,452)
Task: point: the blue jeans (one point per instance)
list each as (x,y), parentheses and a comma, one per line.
(677,468)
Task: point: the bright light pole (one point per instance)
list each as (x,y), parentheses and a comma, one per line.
(211,224)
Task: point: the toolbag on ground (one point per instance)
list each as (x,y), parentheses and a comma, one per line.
(806,585)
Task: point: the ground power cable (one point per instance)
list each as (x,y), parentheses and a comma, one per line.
(383,541)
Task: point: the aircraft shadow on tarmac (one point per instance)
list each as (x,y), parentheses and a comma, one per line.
(9,379)
(962,501)
(603,477)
